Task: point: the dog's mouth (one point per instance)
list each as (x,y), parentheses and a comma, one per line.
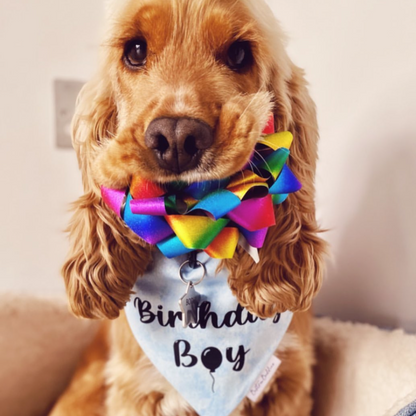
(184,150)
(200,166)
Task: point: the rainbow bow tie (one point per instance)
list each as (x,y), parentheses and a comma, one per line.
(213,216)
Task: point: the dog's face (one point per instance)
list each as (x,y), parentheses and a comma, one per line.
(183,93)
(190,86)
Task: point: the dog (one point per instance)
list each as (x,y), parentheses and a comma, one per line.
(217,68)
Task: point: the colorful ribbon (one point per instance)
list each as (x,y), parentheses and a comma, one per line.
(212,216)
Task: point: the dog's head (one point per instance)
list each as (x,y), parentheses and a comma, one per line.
(184,90)
(191,84)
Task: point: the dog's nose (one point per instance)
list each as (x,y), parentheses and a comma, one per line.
(178,143)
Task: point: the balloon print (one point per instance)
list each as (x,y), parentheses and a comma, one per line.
(211,359)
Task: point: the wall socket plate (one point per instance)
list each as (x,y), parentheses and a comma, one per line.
(66,93)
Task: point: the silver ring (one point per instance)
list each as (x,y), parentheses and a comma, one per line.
(190,281)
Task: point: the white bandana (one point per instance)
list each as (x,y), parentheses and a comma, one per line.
(214,362)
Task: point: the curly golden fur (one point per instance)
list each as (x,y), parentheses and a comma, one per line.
(186,76)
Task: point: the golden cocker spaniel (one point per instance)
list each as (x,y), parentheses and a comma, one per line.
(217,68)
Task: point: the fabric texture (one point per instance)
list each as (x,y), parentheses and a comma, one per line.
(214,362)
(363,370)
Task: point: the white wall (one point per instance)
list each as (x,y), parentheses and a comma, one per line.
(40,40)
(360,58)
(361,62)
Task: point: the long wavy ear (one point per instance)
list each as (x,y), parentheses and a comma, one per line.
(291,262)
(105,257)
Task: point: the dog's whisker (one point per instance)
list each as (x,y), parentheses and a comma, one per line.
(262,158)
(110,133)
(249,104)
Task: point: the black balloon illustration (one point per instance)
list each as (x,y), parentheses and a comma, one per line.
(211,359)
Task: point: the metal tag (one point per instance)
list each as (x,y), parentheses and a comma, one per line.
(189,305)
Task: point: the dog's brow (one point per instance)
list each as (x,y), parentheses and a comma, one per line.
(148,21)
(216,24)
(220,27)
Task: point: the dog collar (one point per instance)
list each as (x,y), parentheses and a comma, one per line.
(214,362)
(213,216)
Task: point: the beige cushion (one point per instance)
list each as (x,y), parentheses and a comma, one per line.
(363,370)
(40,344)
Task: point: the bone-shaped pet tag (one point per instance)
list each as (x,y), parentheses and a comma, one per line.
(189,305)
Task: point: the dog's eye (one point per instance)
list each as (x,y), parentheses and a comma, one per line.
(135,53)
(239,56)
